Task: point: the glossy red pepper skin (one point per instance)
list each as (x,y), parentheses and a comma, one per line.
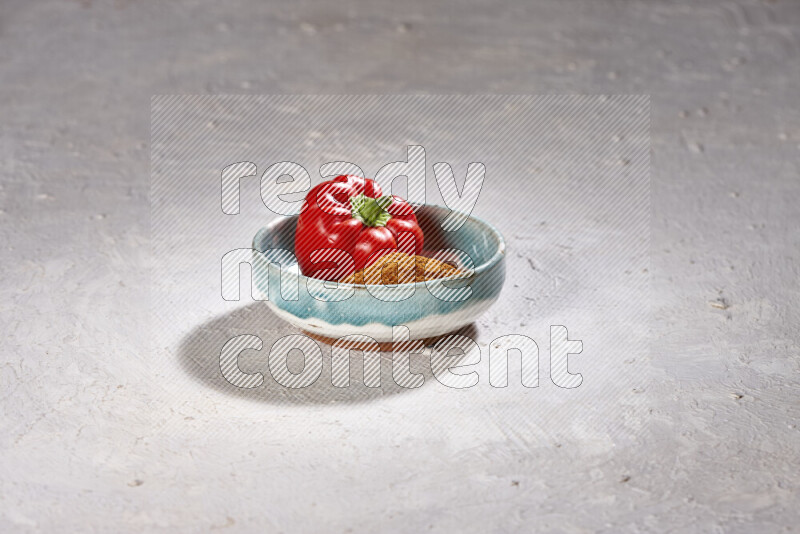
(333,240)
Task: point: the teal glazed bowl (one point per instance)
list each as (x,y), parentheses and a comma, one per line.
(429,309)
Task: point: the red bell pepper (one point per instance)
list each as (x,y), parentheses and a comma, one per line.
(346,224)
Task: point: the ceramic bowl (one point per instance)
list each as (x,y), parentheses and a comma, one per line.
(428,309)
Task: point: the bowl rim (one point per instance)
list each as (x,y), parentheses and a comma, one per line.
(499,253)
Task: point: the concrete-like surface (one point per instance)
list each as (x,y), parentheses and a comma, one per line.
(99,433)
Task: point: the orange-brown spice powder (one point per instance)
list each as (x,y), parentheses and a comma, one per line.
(400,268)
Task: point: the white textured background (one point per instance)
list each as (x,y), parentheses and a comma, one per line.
(95,437)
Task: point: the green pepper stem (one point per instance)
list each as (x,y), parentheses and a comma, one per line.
(371,211)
